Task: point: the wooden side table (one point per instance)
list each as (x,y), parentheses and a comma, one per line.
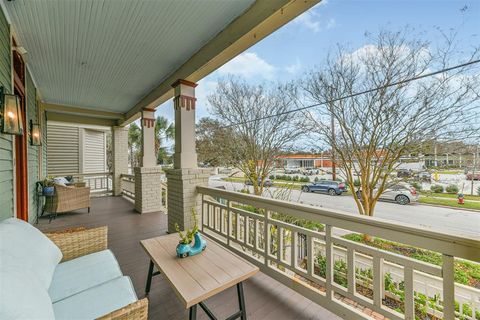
(195,279)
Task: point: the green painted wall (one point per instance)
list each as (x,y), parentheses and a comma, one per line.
(32,151)
(6,146)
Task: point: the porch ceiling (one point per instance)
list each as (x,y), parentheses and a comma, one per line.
(119,56)
(109,54)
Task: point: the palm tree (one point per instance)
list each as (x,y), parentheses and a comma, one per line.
(134,143)
(164,131)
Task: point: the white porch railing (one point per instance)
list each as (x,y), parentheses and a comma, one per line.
(128,189)
(127,186)
(100,183)
(337,273)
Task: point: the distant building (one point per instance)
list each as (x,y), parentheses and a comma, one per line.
(304,160)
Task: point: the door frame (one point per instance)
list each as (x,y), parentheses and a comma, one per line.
(20,142)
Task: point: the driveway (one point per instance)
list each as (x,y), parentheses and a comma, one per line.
(452,221)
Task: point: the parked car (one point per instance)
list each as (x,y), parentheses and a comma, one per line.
(400,193)
(404,173)
(333,188)
(424,175)
(266,182)
(292,170)
(471,176)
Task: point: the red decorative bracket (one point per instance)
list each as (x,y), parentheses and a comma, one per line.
(184,102)
(148,122)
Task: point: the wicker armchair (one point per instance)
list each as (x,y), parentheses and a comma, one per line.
(67,199)
(78,242)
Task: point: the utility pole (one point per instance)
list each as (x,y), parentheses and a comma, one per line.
(473,170)
(334,168)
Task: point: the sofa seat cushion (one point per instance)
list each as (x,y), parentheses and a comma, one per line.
(22,296)
(97,301)
(25,248)
(82,273)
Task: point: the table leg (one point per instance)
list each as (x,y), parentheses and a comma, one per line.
(193,312)
(241,301)
(149,278)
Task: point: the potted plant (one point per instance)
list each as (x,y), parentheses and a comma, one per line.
(185,247)
(48,187)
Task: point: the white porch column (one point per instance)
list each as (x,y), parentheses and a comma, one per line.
(185,175)
(149,158)
(120,157)
(148,191)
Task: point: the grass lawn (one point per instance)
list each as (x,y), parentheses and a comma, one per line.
(287,184)
(466,272)
(449,171)
(450,196)
(450,203)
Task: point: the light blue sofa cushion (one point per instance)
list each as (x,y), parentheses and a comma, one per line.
(79,274)
(97,301)
(22,296)
(28,250)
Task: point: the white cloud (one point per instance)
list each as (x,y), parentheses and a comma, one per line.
(295,67)
(313,20)
(248,65)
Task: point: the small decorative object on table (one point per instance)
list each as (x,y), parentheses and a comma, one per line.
(48,187)
(185,247)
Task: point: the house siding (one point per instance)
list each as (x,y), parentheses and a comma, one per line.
(33,163)
(6,146)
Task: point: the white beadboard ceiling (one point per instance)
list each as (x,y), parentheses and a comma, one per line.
(108,54)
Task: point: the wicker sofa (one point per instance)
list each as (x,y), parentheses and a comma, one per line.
(62,275)
(68,198)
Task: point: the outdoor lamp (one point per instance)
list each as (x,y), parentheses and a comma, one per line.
(35,135)
(11,117)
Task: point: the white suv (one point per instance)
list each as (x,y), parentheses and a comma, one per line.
(400,193)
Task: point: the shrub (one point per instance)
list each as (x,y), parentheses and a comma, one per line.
(304,179)
(317,179)
(295,178)
(271,177)
(436,188)
(452,189)
(356,182)
(417,185)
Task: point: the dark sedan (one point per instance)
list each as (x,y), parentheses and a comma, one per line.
(333,188)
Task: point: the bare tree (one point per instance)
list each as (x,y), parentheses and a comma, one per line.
(392,116)
(260,123)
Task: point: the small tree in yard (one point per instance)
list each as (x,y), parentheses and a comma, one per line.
(392,117)
(260,127)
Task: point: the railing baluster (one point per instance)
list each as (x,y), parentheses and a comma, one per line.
(229,222)
(329,261)
(310,255)
(255,234)
(245,229)
(378,281)
(266,237)
(279,243)
(409,299)
(448,287)
(293,249)
(351,270)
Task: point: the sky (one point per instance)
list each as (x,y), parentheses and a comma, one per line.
(304,43)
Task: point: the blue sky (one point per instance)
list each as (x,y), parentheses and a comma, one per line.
(304,43)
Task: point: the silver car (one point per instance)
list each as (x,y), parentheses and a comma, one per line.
(400,193)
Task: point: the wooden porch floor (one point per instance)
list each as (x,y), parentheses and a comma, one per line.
(265,297)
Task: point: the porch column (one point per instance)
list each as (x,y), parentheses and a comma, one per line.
(149,158)
(148,191)
(185,176)
(120,157)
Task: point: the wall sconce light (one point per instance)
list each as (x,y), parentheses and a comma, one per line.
(35,134)
(11,116)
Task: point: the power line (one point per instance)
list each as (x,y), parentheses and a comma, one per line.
(358,93)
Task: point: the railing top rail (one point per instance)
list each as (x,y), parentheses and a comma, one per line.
(125,175)
(85,174)
(454,245)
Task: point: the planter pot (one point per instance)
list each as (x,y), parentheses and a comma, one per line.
(186,250)
(48,191)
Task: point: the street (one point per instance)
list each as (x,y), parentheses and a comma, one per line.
(452,221)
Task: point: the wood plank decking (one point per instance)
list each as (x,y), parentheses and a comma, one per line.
(265,297)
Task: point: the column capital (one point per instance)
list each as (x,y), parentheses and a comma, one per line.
(185,83)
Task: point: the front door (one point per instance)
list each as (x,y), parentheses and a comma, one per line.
(21,169)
